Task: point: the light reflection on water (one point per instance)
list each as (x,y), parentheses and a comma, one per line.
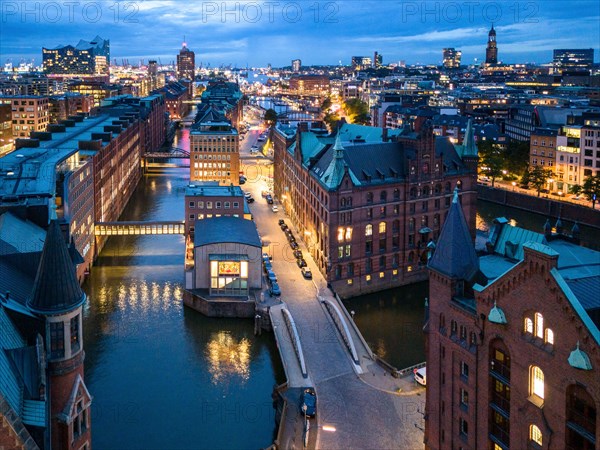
(164,376)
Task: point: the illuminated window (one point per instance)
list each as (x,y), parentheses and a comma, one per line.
(409,269)
(381,227)
(368,277)
(536,382)
(395,272)
(369,230)
(340,234)
(350,281)
(348,233)
(381,274)
(539,325)
(528,325)
(535,434)
(549,336)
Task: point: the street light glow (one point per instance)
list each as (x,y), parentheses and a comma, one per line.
(329,428)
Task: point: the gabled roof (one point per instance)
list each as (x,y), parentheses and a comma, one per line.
(56,288)
(332,177)
(455,254)
(78,391)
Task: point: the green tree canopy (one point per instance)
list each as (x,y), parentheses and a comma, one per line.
(591,189)
(538,177)
(326,104)
(270,116)
(491,159)
(517,157)
(356,110)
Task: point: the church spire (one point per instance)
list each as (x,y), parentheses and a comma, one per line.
(469,145)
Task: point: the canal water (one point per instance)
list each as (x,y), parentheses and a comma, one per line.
(165,377)
(162,376)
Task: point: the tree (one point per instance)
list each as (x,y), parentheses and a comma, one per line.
(326,104)
(331,119)
(356,110)
(517,157)
(270,116)
(538,177)
(491,159)
(591,189)
(576,189)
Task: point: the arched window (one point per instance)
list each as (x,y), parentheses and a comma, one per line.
(382,227)
(396,194)
(549,338)
(383,196)
(426,190)
(369,197)
(539,325)
(413,192)
(448,186)
(369,230)
(438,188)
(536,382)
(528,326)
(343,202)
(411,257)
(535,434)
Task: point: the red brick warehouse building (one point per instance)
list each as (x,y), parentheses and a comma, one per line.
(370,205)
(512,340)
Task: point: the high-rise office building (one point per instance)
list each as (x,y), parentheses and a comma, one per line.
(573,59)
(86,58)
(377,60)
(296,65)
(186,63)
(491,52)
(452,58)
(361,62)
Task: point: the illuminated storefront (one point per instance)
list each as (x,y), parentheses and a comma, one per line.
(228,275)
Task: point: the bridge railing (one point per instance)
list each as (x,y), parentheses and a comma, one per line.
(293,331)
(341,325)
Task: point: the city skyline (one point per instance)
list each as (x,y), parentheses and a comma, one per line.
(258,33)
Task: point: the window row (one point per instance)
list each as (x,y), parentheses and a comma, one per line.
(209,205)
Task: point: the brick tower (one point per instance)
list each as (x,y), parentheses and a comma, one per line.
(58,298)
(452,270)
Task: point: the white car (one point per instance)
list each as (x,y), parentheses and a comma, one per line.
(247,194)
(275,208)
(421,376)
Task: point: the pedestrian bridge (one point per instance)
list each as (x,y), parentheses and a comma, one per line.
(138,228)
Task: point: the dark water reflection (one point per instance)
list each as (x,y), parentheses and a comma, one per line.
(162,376)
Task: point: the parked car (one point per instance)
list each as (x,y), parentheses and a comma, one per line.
(268,266)
(264,194)
(297,254)
(269,199)
(309,402)
(421,376)
(271,276)
(265,255)
(281,222)
(250,200)
(247,194)
(275,290)
(301,262)
(242,180)
(294,245)
(306,273)
(284,227)
(275,208)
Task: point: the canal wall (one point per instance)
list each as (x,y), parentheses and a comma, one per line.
(231,308)
(541,205)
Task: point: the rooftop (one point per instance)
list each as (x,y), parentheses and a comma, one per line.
(212,189)
(218,230)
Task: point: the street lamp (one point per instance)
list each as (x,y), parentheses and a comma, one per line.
(514,183)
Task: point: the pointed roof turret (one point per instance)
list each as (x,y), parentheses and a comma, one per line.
(496,315)
(334,173)
(56,288)
(547,228)
(575,231)
(559,226)
(455,253)
(469,145)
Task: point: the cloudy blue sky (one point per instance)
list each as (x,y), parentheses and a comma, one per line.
(255,33)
